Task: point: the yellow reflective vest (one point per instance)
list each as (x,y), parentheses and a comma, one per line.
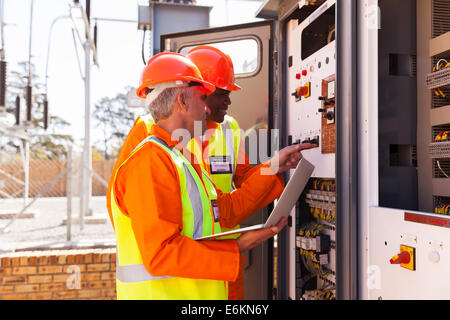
(132,278)
(223,151)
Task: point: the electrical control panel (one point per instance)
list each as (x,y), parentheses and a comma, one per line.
(409,259)
(438,82)
(311,87)
(433,107)
(392,205)
(311,107)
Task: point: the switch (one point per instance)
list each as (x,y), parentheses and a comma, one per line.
(406,258)
(329,115)
(303,91)
(402,257)
(304,73)
(315,140)
(298,76)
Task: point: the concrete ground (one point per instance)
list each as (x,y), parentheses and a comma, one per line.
(47,229)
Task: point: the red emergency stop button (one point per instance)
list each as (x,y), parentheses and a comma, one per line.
(401,258)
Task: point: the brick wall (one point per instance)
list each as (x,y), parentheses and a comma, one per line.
(87,274)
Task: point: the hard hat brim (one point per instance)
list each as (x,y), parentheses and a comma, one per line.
(231,87)
(209,87)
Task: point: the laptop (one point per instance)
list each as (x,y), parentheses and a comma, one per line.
(286,202)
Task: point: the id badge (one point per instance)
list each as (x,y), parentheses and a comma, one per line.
(220,164)
(215,206)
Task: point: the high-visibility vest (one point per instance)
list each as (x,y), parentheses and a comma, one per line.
(225,144)
(132,278)
(148,120)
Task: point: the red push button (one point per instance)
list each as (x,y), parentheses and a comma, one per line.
(298,76)
(304,73)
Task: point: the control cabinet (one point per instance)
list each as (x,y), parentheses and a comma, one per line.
(368,82)
(310,117)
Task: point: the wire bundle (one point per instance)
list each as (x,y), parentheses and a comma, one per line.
(324,294)
(445,210)
(440,65)
(443,136)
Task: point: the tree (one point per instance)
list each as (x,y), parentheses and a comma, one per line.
(44,144)
(114,119)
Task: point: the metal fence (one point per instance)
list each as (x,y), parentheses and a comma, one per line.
(40,202)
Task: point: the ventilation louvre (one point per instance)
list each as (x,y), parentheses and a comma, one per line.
(441,17)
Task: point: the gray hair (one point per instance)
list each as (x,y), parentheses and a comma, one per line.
(161,106)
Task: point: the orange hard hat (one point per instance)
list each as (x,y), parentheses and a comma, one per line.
(215,66)
(168,67)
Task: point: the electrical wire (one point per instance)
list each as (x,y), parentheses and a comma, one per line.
(439,166)
(143,45)
(2,34)
(439,62)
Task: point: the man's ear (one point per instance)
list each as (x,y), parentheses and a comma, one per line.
(181,98)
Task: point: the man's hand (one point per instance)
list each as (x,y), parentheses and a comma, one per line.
(252,239)
(288,157)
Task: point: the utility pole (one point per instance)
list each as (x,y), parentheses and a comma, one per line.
(29,102)
(3,64)
(86,163)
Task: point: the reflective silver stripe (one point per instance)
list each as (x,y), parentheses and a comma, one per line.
(193,193)
(138,272)
(229,140)
(196,202)
(140,144)
(207,177)
(135,273)
(192,188)
(159,140)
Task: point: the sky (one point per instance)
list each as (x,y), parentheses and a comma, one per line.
(119,48)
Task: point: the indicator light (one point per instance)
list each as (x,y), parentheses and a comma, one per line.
(304,73)
(434,256)
(298,76)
